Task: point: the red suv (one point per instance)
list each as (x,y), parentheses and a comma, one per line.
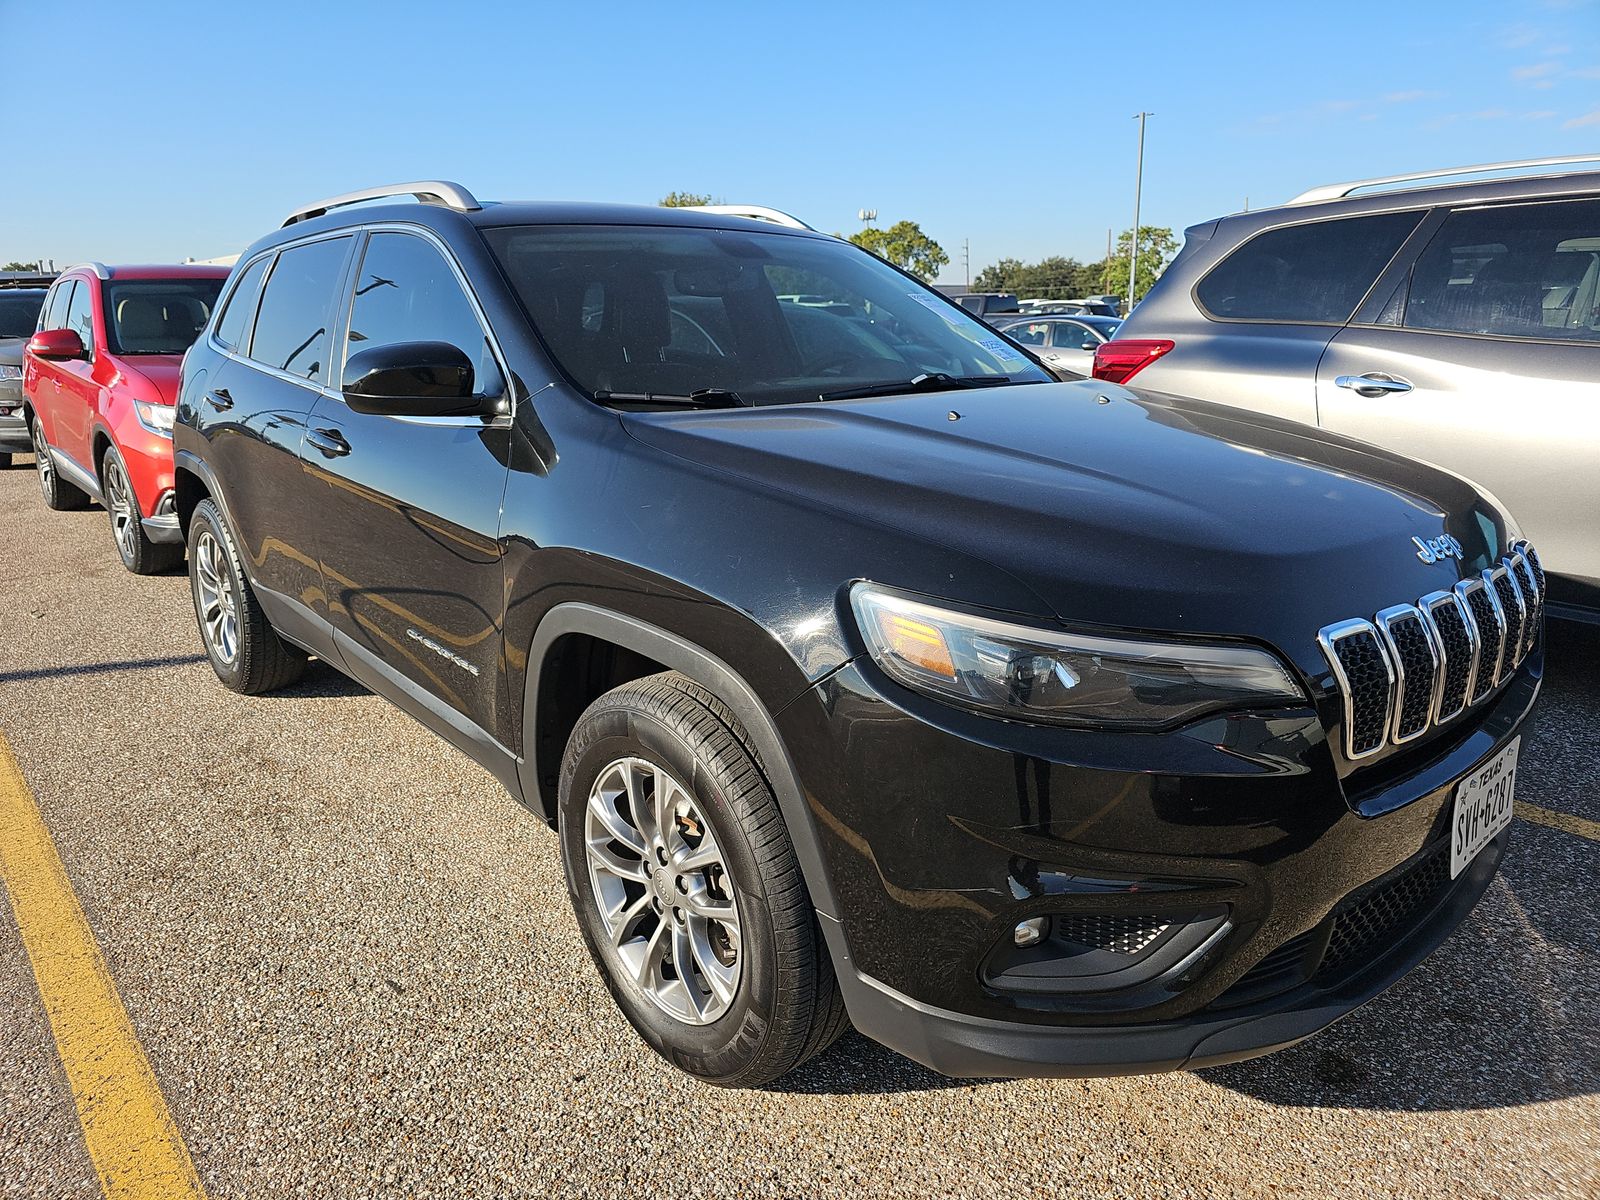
(101,379)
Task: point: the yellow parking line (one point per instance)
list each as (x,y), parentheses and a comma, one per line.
(1566,822)
(130,1135)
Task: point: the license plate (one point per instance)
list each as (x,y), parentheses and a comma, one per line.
(1483,807)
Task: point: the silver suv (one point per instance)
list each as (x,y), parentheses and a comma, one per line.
(1457,323)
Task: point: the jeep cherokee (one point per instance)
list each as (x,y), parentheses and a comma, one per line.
(865,670)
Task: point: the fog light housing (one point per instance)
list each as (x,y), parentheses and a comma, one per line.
(1030,932)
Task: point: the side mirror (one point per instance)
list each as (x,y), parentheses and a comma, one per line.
(411,379)
(57,345)
(1089,344)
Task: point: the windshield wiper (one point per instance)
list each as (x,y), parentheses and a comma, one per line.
(699,398)
(932,381)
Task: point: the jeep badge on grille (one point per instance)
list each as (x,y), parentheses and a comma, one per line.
(1432,550)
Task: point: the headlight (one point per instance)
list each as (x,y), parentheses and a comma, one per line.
(7,371)
(157,418)
(1063,678)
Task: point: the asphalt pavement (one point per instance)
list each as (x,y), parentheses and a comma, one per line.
(349,957)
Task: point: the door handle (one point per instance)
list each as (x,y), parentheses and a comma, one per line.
(1372,384)
(330,441)
(220,400)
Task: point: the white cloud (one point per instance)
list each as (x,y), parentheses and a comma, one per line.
(1591,118)
(1536,70)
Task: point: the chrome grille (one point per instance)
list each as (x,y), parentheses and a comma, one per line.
(1417,666)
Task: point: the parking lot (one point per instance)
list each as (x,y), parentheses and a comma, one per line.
(349,957)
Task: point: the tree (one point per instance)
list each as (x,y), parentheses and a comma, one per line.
(906,246)
(1054,278)
(686,200)
(22,266)
(1156,248)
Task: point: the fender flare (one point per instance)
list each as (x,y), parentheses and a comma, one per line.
(716,676)
(188,460)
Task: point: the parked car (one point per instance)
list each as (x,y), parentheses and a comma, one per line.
(1066,344)
(100,377)
(1457,322)
(20,301)
(1041,728)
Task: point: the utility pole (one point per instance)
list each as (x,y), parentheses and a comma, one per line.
(1138,190)
(966,261)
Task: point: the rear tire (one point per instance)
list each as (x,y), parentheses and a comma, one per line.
(245,651)
(59,495)
(139,554)
(5,459)
(667,820)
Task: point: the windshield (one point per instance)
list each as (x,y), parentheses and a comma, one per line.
(158,316)
(657,311)
(19,313)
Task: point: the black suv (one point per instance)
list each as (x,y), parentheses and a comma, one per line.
(865,670)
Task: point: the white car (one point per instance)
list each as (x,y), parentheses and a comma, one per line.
(1067,344)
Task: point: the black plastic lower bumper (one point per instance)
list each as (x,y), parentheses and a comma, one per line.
(964,1046)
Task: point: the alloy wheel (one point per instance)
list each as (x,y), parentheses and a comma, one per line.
(219,611)
(41,459)
(119,500)
(663,890)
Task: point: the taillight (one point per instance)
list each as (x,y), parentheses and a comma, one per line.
(1120,361)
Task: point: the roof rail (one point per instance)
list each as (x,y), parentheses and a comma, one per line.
(101,271)
(429,191)
(756,212)
(1337,191)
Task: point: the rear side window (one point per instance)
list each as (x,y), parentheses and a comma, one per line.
(1529,270)
(241,305)
(79,316)
(1314,273)
(291,332)
(407,292)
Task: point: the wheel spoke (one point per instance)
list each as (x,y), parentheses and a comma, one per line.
(602,808)
(622,917)
(707,907)
(683,962)
(603,856)
(698,858)
(724,981)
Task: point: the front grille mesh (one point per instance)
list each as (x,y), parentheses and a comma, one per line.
(1505,591)
(1389,910)
(1367,674)
(1489,637)
(1421,665)
(1456,643)
(1414,654)
(1117,934)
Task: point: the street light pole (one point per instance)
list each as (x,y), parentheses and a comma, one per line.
(1138,190)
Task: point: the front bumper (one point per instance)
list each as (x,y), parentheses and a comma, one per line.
(968,1047)
(14,435)
(162,526)
(943,830)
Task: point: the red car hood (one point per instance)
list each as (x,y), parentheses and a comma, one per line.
(160,370)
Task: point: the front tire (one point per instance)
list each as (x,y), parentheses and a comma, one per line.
(139,554)
(245,651)
(59,495)
(687,889)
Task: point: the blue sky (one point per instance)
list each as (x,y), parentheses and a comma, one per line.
(196,127)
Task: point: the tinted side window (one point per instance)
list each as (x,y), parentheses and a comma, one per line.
(1316,273)
(80,318)
(1069,335)
(1530,270)
(1031,334)
(407,292)
(241,305)
(291,330)
(54,315)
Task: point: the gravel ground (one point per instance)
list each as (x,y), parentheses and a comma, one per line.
(349,956)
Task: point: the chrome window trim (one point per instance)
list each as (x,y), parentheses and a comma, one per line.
(1428,604)
(1328,637)
(498,420)
(1385,620)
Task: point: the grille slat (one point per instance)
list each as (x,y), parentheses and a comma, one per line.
(1421,665)
(1389,910)
(1458,644)
(1117,934)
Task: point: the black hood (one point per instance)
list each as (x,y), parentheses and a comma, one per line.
(1119,509)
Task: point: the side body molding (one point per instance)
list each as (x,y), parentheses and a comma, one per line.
(710,672)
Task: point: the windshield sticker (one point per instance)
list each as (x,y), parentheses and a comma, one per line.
(939,308)
(1001,349)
